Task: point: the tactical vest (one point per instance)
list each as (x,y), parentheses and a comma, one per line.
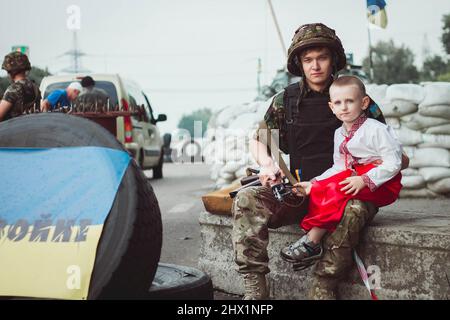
(310,127)
(27,103)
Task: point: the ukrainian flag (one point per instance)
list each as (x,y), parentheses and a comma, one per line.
(376,13)
(53,205)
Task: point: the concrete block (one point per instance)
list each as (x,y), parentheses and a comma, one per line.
(410,250)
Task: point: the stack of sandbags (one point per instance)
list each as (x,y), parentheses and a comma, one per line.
(227,141)
(420,115)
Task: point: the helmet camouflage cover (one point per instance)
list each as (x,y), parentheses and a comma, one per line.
(314,35)
(16,61)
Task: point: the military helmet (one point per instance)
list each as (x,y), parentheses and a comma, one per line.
(16,61)
(314,35)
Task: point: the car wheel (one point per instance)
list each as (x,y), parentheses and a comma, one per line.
(158,170)
(191,151)
(130,245)
(173,282)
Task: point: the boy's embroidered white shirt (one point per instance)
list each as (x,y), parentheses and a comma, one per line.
(372,141)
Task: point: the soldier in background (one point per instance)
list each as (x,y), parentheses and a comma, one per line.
(23,95)
(91,98)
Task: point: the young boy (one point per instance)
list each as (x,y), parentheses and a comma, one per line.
(367,162)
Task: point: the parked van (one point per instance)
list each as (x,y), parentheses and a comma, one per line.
(139,134)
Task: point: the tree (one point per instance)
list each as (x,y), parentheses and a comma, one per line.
(187,121)
(433,68)
(444,77)
(446,34)
(392,64)
(37,74)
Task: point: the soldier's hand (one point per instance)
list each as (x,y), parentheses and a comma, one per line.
(270,175)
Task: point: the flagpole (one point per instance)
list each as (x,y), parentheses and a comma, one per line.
(370,54)
(280,36)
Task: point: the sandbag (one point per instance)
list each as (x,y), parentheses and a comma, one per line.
(442,129)
(435,141)
(209,154)
(228,176)
(410,172)
(436,93)
(241,172)
(418,122)
(398,108)
(377,92)
(410,151)
(221,182)
(440,111)
(409,137)
(263,106)
(238,156)
(429,157)
(432,174)
(441,186)
(413,182)
(418,193)
(215,169)
(393,122)
(244,121)
(228,114)
(231,167)
(405,91)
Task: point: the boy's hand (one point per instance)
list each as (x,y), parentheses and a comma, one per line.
(353,185)
(302,188)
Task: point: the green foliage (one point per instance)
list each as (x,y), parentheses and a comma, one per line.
(36,74)
(392,64)
(444,77)
(187,121)
(433,68)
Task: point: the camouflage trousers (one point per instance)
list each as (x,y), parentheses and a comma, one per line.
(255,210)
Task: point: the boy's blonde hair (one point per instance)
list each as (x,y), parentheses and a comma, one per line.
(348,81)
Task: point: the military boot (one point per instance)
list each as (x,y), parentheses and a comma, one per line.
(255,286)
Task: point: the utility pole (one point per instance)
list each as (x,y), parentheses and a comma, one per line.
(75,55)
(370,55)
(258,80)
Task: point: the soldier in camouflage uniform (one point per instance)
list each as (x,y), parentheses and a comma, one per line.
(306,127)
(23,95)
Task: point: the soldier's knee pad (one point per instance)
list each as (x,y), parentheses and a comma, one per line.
(245,198)
(356,213)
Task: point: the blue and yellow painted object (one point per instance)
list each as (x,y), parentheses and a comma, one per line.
(53,205)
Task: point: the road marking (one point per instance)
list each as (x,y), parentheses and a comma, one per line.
(181,207)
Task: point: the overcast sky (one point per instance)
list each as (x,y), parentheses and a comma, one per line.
(190,54)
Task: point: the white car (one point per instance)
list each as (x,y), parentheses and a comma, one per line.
(139,134)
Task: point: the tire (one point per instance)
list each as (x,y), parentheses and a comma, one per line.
(167,139)
(174,282)
(141,159)
(191,158)
(158,170)
(130,245)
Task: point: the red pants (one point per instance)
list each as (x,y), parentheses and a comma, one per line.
(327,202)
